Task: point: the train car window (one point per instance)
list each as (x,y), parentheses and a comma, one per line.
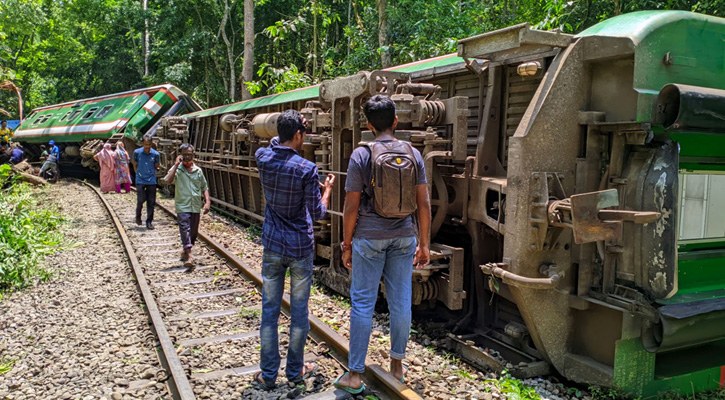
(104,111)
(65,116)
(74,115)
(89,113)
(701,213)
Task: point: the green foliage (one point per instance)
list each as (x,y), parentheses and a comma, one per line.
(59,51)
(6,365)
(513,388)
(28,233)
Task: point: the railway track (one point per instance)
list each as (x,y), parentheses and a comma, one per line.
(206,320)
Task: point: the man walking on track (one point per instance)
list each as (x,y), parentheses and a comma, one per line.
(292,190)
(380,237)
(146,163)
(190,188)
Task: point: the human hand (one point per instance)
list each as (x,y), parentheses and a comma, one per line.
(330,181)
(179,160)
(347,259)
(207,206)
(422,257)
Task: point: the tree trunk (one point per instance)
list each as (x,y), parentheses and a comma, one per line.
(314,39)
(146,41)
(248,64)
(230,52)
(383,33)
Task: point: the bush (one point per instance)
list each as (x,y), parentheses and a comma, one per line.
(28,233)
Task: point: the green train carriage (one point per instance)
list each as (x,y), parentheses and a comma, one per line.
(82,126)
(576,184)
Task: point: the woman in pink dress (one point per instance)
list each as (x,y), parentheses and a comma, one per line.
(123,176)
(107,160)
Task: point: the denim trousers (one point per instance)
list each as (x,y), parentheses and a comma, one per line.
(274,269)
(393,260)
(145,194)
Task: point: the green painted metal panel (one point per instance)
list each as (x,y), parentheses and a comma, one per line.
(312,92)
(692,43)
(66,123)
(652,374)
(150,112)
(309,92)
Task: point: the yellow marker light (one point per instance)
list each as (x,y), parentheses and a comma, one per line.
(398,160)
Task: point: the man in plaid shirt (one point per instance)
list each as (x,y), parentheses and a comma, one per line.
(292,190)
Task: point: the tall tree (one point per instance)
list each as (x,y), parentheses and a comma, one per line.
(383,33)
(146,37)
(248,64)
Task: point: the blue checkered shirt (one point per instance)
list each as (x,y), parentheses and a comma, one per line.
(291,189)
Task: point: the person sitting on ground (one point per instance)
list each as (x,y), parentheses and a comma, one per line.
(380,240)
(52,161)
(107,160)
(190,187)
(122,174)
(146,163)
(16,154)
(292,191)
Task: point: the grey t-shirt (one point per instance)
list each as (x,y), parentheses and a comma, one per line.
(370,225)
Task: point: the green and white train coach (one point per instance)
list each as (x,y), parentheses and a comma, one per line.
(81,127)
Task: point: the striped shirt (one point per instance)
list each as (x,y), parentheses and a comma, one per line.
(291,189)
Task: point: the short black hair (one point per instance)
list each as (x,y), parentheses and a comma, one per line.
(148,138)
(288,123)
(380,112)
(185,146)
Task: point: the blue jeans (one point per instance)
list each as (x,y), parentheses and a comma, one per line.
(274,269)
(393,260)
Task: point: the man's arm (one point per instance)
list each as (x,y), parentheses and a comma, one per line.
(169,178)
(134,161)
(317,204)
(349,220)
(207,202)
(422,253)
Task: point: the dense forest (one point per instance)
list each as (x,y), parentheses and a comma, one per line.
(60,50)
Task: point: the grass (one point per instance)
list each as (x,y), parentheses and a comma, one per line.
(245,312)
(29,231)
(513,388)
(253,232)
(6,365)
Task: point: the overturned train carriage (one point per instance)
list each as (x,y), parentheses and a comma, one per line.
(81,127)
(575,183)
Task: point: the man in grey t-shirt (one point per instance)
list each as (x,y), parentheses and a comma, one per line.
(375,246)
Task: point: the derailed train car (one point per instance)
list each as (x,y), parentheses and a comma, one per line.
(82,126)
(576,184)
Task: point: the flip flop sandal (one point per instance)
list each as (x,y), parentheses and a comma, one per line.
(260,383)
(348,389)
(405,372)
(306,373)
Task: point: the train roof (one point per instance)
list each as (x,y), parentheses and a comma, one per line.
(95,117)
(428,67)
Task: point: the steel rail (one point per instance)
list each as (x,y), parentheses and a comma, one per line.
(181,388)
(380,380)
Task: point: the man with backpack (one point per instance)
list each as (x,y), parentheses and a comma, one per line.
(385,186)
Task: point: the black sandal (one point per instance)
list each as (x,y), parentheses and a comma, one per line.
(259,382)
(306,373)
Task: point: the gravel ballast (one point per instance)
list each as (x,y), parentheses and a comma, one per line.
(84,334)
